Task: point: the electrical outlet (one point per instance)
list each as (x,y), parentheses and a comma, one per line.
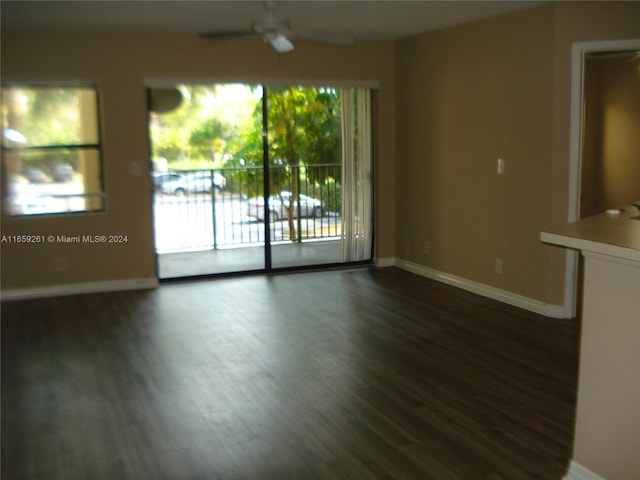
(498,265)
(501,166)
(426,248)
(61,264)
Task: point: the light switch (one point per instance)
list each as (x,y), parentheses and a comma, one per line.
(501,166)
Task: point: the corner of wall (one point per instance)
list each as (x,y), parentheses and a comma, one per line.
(385,262)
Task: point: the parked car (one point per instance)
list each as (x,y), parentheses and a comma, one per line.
(34,175)
(159,178)
(174,183)
(309,207)
(62,172)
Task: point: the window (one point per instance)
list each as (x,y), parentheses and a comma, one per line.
(51,152)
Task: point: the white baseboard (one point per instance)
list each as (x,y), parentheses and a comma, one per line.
(578,472)
(78,288)
(557,311)
(504,296)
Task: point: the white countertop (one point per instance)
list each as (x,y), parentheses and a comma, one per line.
(615,235)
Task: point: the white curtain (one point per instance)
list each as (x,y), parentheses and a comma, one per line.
(357,166)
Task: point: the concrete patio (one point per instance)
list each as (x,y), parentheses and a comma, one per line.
(247,258)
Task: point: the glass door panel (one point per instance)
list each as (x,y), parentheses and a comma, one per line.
(305,164)
(320,163)
(207,163)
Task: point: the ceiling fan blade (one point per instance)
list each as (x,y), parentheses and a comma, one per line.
(280,42)
(228,35)
(337,40)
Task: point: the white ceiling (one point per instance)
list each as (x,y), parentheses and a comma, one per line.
(364,19)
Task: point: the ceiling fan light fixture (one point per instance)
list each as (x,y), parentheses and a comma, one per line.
(275,30)
(279,42)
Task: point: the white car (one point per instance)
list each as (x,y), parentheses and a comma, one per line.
(175,183)
(309,207)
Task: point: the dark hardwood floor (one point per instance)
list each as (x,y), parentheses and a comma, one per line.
(360,374)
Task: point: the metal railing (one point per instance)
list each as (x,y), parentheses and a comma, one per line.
(224,208)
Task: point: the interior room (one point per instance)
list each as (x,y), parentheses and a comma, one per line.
(449,349)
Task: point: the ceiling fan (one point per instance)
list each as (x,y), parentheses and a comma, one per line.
(277,31)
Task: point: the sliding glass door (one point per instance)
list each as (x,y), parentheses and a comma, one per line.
(253,178)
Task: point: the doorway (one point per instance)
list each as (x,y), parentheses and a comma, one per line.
(611,145)
(582,53)
(249,178)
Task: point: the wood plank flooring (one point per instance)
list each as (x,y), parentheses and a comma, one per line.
(358,374)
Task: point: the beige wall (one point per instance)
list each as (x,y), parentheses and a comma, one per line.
(466,97)
(121,63)
(469,95)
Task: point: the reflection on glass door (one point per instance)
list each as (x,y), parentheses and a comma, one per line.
(223,177)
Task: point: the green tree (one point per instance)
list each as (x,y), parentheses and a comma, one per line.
(211,121)
(209,138)
(304,130)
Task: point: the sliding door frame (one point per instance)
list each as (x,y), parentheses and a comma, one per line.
(266,178)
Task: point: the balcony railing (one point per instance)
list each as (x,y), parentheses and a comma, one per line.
(224,208)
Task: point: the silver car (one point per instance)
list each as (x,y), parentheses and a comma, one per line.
(174,183)
(309,207)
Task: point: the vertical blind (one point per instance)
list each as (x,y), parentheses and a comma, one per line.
(357,167)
